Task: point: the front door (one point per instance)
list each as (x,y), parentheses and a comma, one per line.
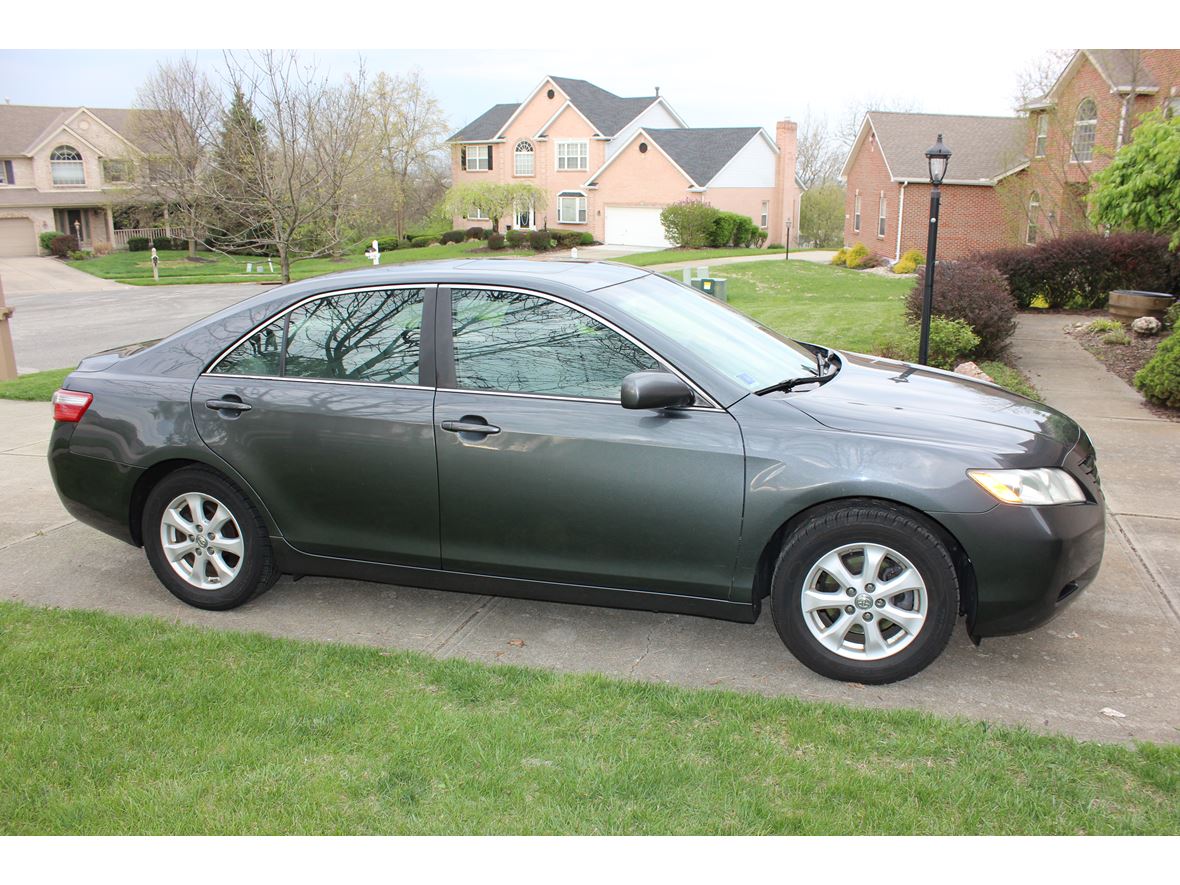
(524,219)
(327,414)
(566,485)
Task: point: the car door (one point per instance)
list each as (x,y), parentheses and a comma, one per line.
(565,484)
(327,411)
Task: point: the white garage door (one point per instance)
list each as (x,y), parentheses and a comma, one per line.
(16,237)
(634,227)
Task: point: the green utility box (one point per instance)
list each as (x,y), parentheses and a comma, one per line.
(714,286)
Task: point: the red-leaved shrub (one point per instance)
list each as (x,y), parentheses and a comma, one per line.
(975,293)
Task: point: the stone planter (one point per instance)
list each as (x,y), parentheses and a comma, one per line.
(1128,304)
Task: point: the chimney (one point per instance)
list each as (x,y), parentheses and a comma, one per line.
(785,138)
(657,92)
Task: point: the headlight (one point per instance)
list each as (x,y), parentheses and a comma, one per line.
(1045,485)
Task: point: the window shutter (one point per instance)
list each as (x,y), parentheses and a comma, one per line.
(8,172)
(489,158)
(462,156)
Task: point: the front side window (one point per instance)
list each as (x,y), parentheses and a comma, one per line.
(477,159)
(518,343)
(571,208)
(1084,128)
(522,158)
(881,217)
(116,171)
(1034,209)
(257,355)
(1042,135)
(765,219)
(66,166)
(477,215)
(573,155)
(856,214)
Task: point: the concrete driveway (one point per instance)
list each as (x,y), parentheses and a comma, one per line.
(36,276)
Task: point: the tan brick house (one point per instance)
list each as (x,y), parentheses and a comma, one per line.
(609,164)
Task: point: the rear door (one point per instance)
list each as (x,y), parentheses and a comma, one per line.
(327,412)
(565,484)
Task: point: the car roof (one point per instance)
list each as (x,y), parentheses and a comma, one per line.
(586,276)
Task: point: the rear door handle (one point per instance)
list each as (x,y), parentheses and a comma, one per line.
(469,427)
(227,405)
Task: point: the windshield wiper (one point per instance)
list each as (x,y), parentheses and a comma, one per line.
(792,383)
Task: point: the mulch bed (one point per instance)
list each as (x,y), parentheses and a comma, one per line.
(1123,360)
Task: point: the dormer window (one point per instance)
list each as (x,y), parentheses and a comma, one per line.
(523,159)
(66,165)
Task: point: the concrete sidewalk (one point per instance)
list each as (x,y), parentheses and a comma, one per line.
(43,276)
(1116,647)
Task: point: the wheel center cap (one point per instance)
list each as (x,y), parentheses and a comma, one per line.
(202,541)
(864,601)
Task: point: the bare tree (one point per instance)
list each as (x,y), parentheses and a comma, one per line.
(819,154)
(849,126)
(1039,75)
(295,177)
(174,121)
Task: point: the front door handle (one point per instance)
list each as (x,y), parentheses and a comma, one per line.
(227,405)
(469,425)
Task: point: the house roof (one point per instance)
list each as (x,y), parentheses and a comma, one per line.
(701,153)
(1122,69)
(984,149)
(21,197)
(486,125)
(22,126)
(606,111)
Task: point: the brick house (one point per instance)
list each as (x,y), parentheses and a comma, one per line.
(609,164)
(1011,179)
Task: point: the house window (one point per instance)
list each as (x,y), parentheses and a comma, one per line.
(4,164)
(522,158)
(116,171)
(477,215)
(856,214)
(881,216)
(1172,109)
(478,158)
(1042,135)
(1084,126)
(764,222)
(66,164)
(1034,210)
(571,208)
(573,155)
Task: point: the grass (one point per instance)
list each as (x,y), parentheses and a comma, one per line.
(176,268)
(132,725)
(669,256)
(36,386)
(1013,379)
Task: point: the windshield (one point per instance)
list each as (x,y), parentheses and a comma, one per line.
(735,345)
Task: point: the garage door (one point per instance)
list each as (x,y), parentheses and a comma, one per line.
(634,227)
(16,237)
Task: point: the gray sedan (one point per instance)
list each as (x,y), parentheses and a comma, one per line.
(587,433)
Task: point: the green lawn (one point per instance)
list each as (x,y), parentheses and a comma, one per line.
(668,256)
(175,267)
(34,386)
(132,725)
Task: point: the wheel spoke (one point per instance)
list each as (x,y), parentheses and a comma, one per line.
(909,621)
(833,636)
(907,580)
(219,519)
(875,646)
(230,545)
(874,556)
(179,550)
(195,508)
(813,600)
(223,571)
(834,566)
(173,518)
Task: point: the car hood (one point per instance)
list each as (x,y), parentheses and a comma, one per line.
(875,395)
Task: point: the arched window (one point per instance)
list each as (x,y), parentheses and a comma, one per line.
(1085,123)
(66,164)
(522,158)
(1034,211)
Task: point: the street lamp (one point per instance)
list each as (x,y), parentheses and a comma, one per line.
(787,254)
(938,157)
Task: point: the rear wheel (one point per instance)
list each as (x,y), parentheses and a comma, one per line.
(865,593)
(205,541)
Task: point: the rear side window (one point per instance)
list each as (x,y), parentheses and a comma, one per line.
(257,355)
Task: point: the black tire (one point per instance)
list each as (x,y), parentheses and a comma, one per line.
(901,530)
(255,567)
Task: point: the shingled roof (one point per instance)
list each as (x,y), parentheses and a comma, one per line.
(486,125)
(984,149)
(702,152)
(606,111)
(23,125)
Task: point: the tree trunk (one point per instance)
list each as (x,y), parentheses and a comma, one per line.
(192,247)
(285,262)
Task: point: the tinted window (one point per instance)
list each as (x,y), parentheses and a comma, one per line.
(257,355)
(361,336)
(524,344)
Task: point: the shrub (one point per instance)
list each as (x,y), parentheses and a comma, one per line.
(138,244)
(103,248)
(567,239)
(412,235)
(780,245)
(422,242)
(975,293)
(859,258)
(454,236)
(585,238)
(722,229)
(1116,337)
(909,261)
(841,258)
(1104,325)
(496,241)
(48,237)
(516,238)
(746,233)
(476,233)
(78,255)
(689,224)
(63,245)
(539,240)
(384,244)
(1172,316)
(1160,378)
(950,341)
(1081,270)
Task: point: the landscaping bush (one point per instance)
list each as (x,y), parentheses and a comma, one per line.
(975,293)
(138,244)
(539,240)
(1104,325)
(103,248)
(746,233)
(1172,316)
(840,258)
(63,245)
(1160,378)
(565,239)
(476,233)
(496,241)
(454,236)
(1117,336)
(722,230)
(779,246)
(950,342)
(79,255)
(689,224)
(422,242)
(585,238)
(48,237)
(1080,271)
(516,238)
(909,261)
(384,244)
(860,258)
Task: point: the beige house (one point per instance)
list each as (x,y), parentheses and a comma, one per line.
(609,164)
(60,169)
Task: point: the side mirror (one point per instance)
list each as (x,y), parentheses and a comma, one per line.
(655,390)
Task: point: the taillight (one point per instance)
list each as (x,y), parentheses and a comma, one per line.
(70,405)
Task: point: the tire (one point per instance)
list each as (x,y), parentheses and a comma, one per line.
(212,562)
(853,639)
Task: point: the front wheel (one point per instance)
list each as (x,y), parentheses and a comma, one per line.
(865,593)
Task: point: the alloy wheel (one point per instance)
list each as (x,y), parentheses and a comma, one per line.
(202,541)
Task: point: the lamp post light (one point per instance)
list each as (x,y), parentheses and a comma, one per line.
(787,244)
(938,157)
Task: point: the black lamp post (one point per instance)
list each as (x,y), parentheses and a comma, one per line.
(787,244)
(938,157)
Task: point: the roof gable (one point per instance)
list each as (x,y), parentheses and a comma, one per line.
(702,153)
(25,128)
(606,111)
(1123,70)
